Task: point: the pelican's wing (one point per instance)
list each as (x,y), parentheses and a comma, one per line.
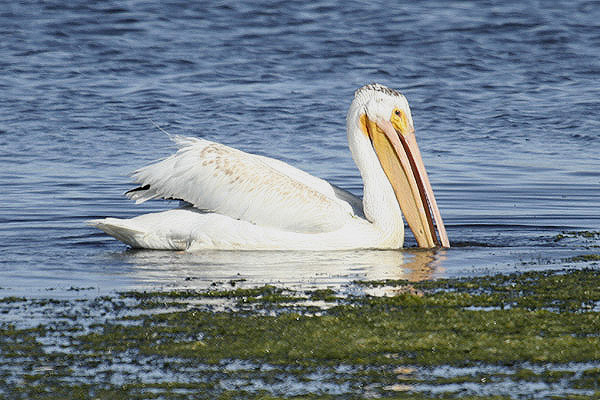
(318,184)
(266,192)
(296,174)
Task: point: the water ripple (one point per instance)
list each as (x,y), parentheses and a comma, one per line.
(504,99)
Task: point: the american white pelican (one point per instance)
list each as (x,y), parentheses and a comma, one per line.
(237,200)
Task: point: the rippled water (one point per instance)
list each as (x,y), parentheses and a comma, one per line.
(505,100)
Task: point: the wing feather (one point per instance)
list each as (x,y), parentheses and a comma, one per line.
(258,189)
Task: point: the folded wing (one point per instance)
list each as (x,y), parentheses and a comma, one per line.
(261,190)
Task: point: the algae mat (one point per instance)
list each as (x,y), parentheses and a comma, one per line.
(529,335)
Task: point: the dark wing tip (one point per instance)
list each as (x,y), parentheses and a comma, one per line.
(137,189)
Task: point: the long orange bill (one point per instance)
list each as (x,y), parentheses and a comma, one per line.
(401,160)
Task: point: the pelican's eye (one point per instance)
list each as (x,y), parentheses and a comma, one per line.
(401,122)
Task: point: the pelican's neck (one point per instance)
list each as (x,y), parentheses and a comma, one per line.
(379,201)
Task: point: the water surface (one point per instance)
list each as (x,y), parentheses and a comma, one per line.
(505,100)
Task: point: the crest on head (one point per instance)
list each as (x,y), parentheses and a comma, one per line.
(379,101)
(377,87)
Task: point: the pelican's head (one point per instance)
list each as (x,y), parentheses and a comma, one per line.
(382,116)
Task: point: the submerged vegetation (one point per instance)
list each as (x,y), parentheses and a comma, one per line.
(533,334)
(578,235)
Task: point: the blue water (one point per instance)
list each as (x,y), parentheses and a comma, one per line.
(505,99)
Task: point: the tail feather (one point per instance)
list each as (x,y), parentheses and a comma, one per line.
(148,231)
(120,229)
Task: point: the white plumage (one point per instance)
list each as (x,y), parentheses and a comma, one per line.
(218,178)
(238,200)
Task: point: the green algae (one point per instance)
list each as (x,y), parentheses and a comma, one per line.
(328,295)
(535,327)
(586,239)
(577,234)
(575,290)
(263,294)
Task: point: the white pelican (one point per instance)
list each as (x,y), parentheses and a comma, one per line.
(237,200)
